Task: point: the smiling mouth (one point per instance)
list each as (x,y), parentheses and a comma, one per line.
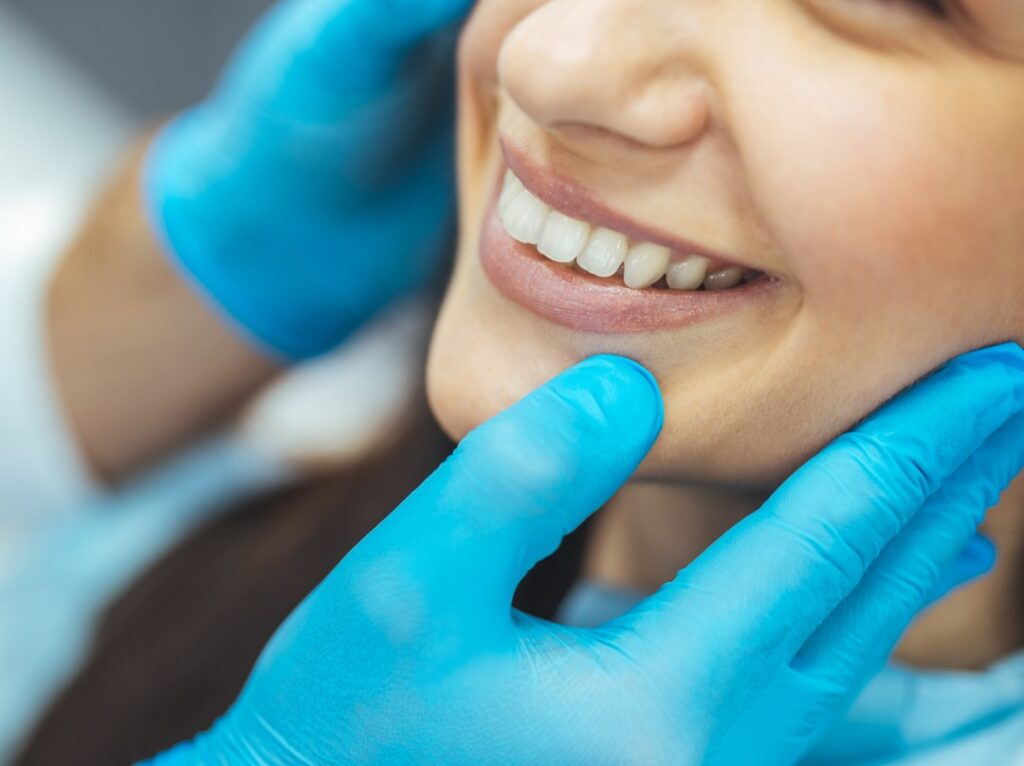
(564,256)
(606,253)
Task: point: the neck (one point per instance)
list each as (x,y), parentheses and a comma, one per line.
(649,531)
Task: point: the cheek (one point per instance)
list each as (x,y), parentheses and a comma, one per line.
(891,208)
(484,354)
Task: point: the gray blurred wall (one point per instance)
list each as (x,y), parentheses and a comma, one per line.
(154,56)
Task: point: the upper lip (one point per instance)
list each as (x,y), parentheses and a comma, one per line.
(573,200)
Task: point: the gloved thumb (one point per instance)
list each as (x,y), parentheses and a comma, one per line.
(520,482)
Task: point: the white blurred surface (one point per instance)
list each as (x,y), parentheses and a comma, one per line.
(339,408)
(57,127)
(58,135)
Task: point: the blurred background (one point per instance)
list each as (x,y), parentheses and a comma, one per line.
(77,85)
(68,96)
(151,34)
(80,82)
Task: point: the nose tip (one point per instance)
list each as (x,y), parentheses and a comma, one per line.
(594,64)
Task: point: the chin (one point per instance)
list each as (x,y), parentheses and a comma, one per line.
(486,356)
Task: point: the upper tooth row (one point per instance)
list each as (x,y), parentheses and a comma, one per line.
(602,251)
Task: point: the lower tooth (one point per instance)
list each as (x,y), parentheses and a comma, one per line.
(604,254)
(724,279)
(687,274)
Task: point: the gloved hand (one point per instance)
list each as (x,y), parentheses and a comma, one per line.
(316,183)
(410,652)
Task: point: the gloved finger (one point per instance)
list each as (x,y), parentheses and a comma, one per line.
(767,584)
(831,693)
(517,484)
(399,130)
(388,25)
(368,239)
(309,50)
(862,630)
(976,560)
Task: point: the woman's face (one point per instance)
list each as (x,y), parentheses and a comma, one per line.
(865,156)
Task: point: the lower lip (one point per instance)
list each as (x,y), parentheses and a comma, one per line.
(573,298)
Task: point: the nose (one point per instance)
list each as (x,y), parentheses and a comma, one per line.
(608,65)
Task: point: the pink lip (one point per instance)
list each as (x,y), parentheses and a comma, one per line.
(575,201)
(573,298)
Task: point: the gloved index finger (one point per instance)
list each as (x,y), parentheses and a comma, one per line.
(778,574)
(517,484)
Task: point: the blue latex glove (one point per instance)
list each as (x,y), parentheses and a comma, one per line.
(316,183)
(410,651)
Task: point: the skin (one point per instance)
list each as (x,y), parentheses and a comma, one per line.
(142,364)
(872,208)
(866,153)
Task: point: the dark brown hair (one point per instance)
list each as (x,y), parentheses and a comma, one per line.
(174,651)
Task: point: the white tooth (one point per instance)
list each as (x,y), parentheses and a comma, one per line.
(563,238)
(509,191)
(604,253)
(687,274)
(524,217)
(724,278)
(645,265)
